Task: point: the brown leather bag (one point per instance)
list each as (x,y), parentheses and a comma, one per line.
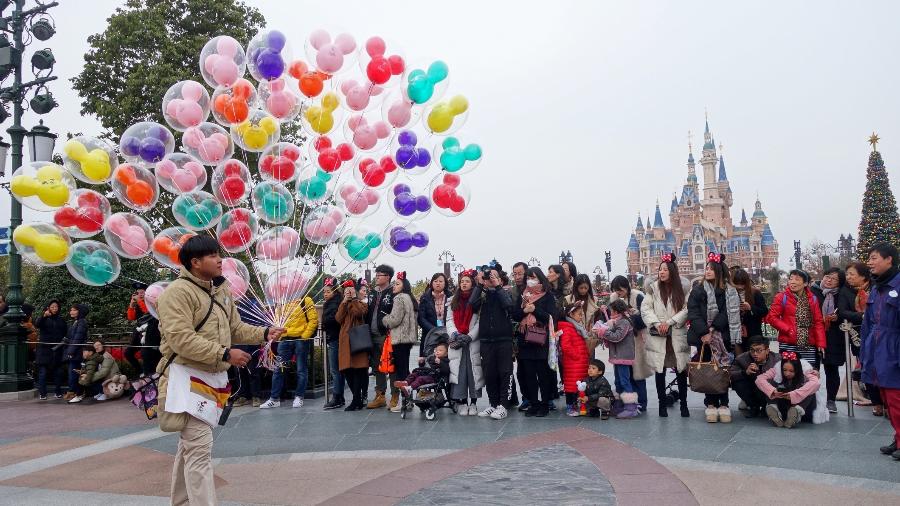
(708,377)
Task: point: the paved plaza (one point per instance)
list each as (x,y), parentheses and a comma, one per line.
(106,453)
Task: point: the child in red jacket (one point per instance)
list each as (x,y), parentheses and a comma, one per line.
(573,353)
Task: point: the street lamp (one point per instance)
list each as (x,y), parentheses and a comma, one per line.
(41,143)
(4,149)
(534,262)
(608,257)
(444,258)
(565,256)
(13,351)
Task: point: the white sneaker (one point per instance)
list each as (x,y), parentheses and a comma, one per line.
(486,412)
(100,397)
(97,397)
(76,399)
(473,410)
(271,403)
(298,402)
(462,409)
(499,413)
(724,413)
(712,415)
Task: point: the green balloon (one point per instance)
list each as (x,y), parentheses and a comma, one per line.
(98,270)
(198,216)
(313,188)
(275,206)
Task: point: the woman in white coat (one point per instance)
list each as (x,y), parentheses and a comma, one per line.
(664,311)
(466,377)
(621,289)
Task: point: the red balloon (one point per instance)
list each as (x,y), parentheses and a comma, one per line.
(91,219)
(452,180)
(378,70)
(232,168)
(387,164)
(88,199)
(233,188)
(441,196)
(322,142)
(65,217)
(282,168)
(345,151)
(457,203)
(397,64)
(291,152)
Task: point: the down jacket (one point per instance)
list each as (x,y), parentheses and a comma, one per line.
(474,347)
(783,316)
(302,321)
(401,322)
(573,355)
(98,368)
(654,312)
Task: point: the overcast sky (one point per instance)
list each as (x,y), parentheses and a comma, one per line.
(583,109)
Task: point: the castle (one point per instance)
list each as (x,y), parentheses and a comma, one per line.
(699,226)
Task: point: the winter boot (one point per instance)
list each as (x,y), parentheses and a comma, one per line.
(631,406)
(394,398)
(377,402)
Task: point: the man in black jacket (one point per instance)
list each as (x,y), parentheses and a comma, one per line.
(49,357)
(332,331)
(496,336)
(746,367)
(380,300)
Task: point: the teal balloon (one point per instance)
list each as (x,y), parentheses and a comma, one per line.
(315,187)
(373,240)
(275,206)
(181,205)
(420,85)
(453,157)
(97,266)
(199,216)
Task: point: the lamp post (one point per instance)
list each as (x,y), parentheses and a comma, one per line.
(534,262)
(13,352)
(446,257)
(565,256)
(370,266)
(797,262)
(608,257)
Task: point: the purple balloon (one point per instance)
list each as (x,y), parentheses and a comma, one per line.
(131,146)
(406,157)
(152,150)
(402,241)
(420,239)
(408,138)
(396,229)
(401,188)
(423,157)
(158,133)
(423,205)
(270,64)
(275,41)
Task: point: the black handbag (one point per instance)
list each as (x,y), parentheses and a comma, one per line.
(360,339)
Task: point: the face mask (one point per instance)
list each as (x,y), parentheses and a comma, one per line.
(532,283)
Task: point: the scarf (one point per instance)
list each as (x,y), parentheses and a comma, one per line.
(862,296)
(462,316)
(885,277)
(440,304)
(732,307)
(804,319)
(578,328)
(530,295)
(828,303)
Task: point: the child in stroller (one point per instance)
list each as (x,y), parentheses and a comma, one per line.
(426,386)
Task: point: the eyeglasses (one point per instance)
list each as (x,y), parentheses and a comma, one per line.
(381,274)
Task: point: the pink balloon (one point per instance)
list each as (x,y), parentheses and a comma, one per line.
(345,42)
(188,113)
(336,216)
(193,137)
(118,224)
(320,230)
(226,46)
(222,68)
(281,104)
(195,168)
(318,38)
(165,169)
(370,196)
(184,180)
(348,190)
(375,46)
(365,135)
(134,241)
(286,286)
(399,114)
(192,91)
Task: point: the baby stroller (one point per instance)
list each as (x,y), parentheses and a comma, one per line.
(672,392)
(433,396)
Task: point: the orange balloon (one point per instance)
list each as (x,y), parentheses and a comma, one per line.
(311,84)
(125,174)
(242,89)
(140,193)
(298,68)
(162,245)
(234,110)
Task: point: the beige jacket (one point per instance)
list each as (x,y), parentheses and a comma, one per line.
(402,320)
(654,312)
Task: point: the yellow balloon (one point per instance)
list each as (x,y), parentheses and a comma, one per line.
(25,235)
(242,128)
(459,104)
(24,186)
(440,119)
(75,150)
(255,137)
(49,173)
(53,193)
(268,125)
(95,165)
(330,101)
(51,248)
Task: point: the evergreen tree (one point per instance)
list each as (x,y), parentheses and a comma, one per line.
(879,222)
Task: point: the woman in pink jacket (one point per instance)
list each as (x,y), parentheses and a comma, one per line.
(792,393)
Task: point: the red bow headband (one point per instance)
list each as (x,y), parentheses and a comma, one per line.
(468,273)
(329,281)
(362,282)
(668,257)
(401,275)
(348,284)
(788,355)
(714,258)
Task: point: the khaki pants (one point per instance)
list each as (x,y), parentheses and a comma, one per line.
(192,475)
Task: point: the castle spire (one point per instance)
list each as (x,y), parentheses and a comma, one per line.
(708,142)
(657,217)
(743,218)
(674,206)
(758,211)
(722,175)
(640,224)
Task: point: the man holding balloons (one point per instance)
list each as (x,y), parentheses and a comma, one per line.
(199,322)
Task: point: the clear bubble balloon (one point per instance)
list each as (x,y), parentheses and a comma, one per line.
(281,162)
(447,116)
(449,195)
(128,235)
(232,105)
(367,132)
(278,98)
(238,276)
(331,54)
(186,104)
(323,225)
(272,202)
(278,244)
(222,61)
(231,182)
(456,156)
(135,186)
(180,173)
(208,142)
(330,155)
(260,131)
(314,186)
(93,263)
(89,159)
(167,244)
(399,111)
(42,186)
(406,240)
(42,244)
(268,55)
(426,86)
(146,143)
(362,244)
(84,215)
(408,202)
(382,61)
(151,296)
(237,230)
(359,96)
(197,210)
(376,173)
(357,200)
(322,115)
(411,153)
(285,285)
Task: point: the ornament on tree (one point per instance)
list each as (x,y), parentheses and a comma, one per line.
(879,221)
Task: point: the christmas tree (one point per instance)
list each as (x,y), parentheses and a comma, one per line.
(879,222)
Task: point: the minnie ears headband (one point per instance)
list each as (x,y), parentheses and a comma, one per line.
(329,282)
(468,273)
(348,284)
(715,258)
(668,257)
(788,355)
(401,275)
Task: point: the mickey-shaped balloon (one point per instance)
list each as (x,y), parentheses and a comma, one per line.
(197,210)
(310,82)
(167,244)
(135,186)
(237,230)
(151,296)
(208,142)
(84,215)
(409,156)
(313,187)
(319,118)
(358,201)
(128,235)
(280,162)
(409,205)
(285,285)
(450,196)
(399,111)
(42,244)
(360,244)
(42,186)
(222,61)
(93,263)
(380,68)
(185,104)
(358,96)
(456,158)
(278,100)
(447,116)
(406,240)
(232,106)
(231,182)
(278,244)
(267,55)
(330,56)
(323,225)
(89,159)
(272,202)
(367,136)
(237,275)
(376,174)
(146,143)
(423,87)
(329,157)
(259,131)
(180,173)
